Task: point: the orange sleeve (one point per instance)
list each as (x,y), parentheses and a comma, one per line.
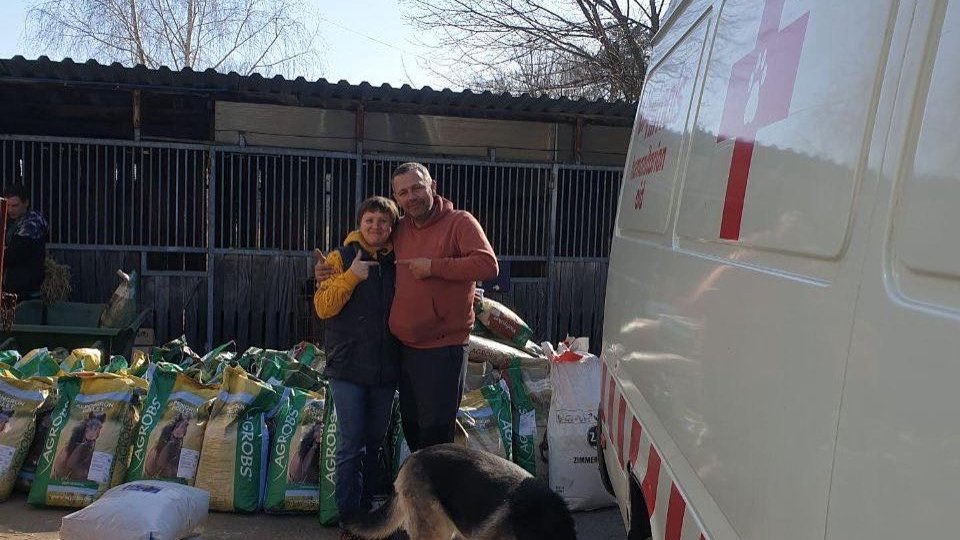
(333,293)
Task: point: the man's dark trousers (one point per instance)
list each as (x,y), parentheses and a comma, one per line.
(431,385)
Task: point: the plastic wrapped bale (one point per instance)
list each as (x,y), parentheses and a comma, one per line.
(122,307)
(272,370)
(293,476)
(142,510)
(253,358)
(9,357)
(117,365)
(175,352)
(501,321)
(283,371)
(38,362)
(19,402)
(479,374)
(233,462)
(173,421)
(575,378)
(152,369)
(303,377)
(309,354)
(84,359)
(495,353)
(486,417)
(209,369)
(139,364)
(88,447)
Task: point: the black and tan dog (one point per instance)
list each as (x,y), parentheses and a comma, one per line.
(449,491)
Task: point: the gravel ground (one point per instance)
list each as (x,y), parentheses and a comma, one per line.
(19,521)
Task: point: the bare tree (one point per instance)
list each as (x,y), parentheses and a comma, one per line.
(265,36)
(582,48)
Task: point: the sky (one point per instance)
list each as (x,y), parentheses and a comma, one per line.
(361,40)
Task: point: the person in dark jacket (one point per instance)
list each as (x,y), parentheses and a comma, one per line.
(362,355)
(25,245)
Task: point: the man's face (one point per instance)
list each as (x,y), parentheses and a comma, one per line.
(16,208)
(414,194)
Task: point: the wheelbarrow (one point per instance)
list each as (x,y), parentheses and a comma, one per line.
(70,325)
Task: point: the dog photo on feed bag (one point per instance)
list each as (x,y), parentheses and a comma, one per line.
(448,490)
(87,449)
(168,443)
(293,477)
(19,402)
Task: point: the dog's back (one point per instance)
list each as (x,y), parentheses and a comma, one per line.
(449,489)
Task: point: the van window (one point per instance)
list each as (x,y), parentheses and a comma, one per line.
(782,126)
(658,135)
(926,223)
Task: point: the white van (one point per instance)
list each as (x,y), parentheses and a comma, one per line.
(782,331)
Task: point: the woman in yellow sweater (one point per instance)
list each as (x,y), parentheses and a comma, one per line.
(362,356)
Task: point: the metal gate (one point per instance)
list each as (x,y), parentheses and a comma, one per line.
(222,236)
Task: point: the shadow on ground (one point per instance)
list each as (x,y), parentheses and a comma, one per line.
(20,521)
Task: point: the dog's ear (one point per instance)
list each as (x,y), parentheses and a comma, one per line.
(545,524)
(539,513)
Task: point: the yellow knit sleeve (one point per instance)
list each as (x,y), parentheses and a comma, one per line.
(333,293)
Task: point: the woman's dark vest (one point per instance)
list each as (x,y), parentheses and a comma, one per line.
(359,346)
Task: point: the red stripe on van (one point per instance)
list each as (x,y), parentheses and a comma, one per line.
(635,431)
(608,412)
(651,479)
(675,510)
(603,388)
(621,415)
(609,404)
(736,190)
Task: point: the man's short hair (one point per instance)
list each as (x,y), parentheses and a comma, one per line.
(19,191)
(412,166)
(379,204)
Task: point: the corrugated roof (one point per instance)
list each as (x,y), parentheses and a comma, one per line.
(312,93)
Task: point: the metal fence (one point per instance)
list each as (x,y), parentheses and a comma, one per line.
(222,235)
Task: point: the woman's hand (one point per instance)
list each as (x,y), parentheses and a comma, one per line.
(361,268)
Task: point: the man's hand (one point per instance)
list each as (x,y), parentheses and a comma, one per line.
(420,268)
(362,268)
(321,270)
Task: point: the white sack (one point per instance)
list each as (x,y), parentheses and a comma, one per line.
(141,510)
(573,464)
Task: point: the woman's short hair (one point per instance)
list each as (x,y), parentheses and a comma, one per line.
(379,204)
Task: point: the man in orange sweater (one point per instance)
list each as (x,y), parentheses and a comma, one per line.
(441,254)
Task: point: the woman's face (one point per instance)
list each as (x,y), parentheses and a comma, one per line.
(93,429)
(375,227)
